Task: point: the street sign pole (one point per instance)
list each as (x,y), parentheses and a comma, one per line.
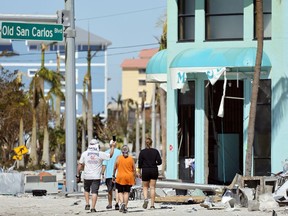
(70,107)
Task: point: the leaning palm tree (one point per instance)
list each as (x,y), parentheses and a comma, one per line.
(255,86)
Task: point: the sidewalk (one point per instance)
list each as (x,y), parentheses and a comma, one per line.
(61,205)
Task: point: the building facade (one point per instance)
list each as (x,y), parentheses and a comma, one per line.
(28,62)
(210,60)
(134,77)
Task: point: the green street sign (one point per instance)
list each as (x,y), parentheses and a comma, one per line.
(32,31)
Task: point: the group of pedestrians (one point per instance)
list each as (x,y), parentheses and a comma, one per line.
(119,170)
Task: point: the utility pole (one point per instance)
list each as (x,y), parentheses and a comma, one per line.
(70,106)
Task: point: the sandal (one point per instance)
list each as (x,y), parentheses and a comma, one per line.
(152,207)
(87,207)
(109,207)
(93,210)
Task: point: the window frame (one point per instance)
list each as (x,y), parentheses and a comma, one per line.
(182,16)
(209,15)
(264,13)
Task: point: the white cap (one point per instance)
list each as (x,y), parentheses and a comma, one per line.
(94,144)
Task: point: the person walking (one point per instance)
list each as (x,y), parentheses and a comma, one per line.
(148,160)
(125,178)
(107,172)
(91,160)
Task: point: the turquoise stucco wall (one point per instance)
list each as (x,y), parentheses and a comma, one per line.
(276,49)
(279,73)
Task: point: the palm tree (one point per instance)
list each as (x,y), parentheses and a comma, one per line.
(125,106)
(84,118)
(41,103)
(162,101)
(137,143)
(36,92)
(255,86)
(88,81)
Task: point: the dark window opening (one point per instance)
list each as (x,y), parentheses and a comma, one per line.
(142,71)
(262,136)
(186,20)
(142,83)
(224,20)
(267,19)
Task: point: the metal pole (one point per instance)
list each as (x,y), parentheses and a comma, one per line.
(188,186)
(70,107)
(153,116)
(29,18)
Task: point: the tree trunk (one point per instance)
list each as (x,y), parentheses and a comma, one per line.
(89,98)
(46,152)
(255,86)
(21,142)
(137,131)
(33,142)
(58,99)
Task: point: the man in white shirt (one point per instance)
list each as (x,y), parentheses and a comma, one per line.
(92,160)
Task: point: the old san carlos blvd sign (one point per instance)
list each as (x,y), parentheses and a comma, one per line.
(32,31)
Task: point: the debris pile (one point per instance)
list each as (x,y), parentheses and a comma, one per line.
(257,193)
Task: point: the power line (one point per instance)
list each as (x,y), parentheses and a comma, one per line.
(54,53)
(119,14)
(132,46)
(112,48)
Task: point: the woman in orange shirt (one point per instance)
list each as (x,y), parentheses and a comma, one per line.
(125,178)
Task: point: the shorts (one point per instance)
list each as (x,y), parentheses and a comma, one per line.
(123,188)
(91,185)
(149,173)
(110,184)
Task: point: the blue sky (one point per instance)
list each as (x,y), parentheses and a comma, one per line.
(131,25)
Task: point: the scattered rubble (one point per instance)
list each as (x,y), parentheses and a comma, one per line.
(256,193)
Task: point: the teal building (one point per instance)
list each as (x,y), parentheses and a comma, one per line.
(209,65)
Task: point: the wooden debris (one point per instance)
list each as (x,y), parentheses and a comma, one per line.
(180,199)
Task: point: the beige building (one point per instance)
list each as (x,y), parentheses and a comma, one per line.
(134,77)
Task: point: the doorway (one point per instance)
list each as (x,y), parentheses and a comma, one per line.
(186,132)
(225,139)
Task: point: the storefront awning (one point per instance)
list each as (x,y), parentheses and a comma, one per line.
(214,60)
(199,60)
(156,70)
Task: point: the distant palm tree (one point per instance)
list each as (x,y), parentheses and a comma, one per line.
(125,106)
(88,82)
